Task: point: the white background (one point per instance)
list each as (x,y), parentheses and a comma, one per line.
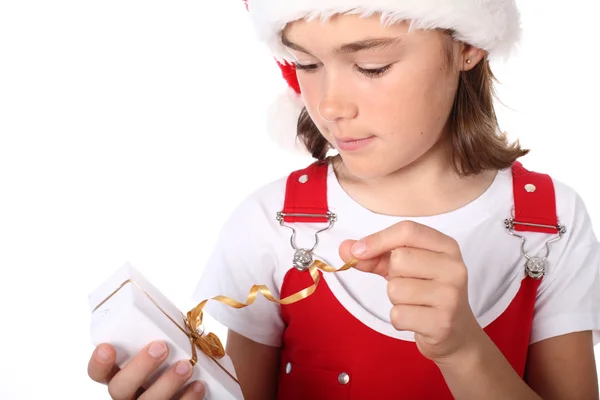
(130,129)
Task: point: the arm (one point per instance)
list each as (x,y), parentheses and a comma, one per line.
(563,367)
(256,366)
(559,368)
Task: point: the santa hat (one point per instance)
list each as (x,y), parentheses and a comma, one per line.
(492,25)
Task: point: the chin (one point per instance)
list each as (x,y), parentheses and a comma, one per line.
(367,168)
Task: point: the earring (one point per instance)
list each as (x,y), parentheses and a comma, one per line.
(469,61)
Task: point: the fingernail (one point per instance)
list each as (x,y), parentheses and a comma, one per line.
(103,355)
(157,350)
(359,248)
(199,386)
(183,367)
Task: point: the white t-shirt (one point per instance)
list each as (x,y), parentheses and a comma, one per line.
(253,248)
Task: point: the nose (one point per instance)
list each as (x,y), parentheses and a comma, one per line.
(332,109)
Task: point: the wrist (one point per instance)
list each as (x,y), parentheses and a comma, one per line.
(479,370)
(468,358)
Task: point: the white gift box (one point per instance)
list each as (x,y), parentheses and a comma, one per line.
(128,312)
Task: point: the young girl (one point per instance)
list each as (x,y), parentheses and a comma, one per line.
(476,278)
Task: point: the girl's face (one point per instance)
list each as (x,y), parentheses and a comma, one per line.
(380,95)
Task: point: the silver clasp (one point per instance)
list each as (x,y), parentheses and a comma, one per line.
(535,267)
(303,258)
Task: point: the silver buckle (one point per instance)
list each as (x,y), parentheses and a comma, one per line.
(535,266)
(303,258)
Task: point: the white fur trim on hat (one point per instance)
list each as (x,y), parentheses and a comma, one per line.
(492,25)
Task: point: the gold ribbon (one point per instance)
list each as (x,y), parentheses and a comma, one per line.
(209,343)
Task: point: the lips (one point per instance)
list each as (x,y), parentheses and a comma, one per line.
(352,144)
(348,140)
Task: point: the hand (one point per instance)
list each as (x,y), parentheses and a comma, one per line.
(427,285)
(126,384)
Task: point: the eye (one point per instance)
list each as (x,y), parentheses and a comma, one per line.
(369,72)
(306,67)
(375,72)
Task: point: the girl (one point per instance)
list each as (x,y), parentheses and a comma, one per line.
(476,278)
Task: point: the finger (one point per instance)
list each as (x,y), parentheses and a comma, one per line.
(170,382)
(377,265)
(418,319)
(194,391)
(410,262)
(101,366)
(417,292)
(132,376)
(404,234)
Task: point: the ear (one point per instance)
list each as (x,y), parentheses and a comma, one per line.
(470,57)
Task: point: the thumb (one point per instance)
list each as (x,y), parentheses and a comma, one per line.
(350,249)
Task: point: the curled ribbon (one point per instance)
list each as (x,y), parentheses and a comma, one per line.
(210,343)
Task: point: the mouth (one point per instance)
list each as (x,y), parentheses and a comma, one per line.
(352,144)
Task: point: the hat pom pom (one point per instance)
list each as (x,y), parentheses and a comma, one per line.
(284,112)
(282,123)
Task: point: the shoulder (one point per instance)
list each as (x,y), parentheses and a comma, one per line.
(572,212)
(257,211)
(568,298)
(569,254)
(262,202)
(571,209)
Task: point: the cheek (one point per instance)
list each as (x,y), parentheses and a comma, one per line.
(414,102)
(309,86)
(310,95)
(439,91)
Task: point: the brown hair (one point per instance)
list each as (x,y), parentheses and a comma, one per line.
(476,141)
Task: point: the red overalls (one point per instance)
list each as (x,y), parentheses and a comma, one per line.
(348,360)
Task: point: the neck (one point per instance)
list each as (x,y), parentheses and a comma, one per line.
(425,187)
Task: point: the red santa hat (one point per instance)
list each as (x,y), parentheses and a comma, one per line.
(492,25)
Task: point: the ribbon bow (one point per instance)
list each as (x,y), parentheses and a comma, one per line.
(210,343)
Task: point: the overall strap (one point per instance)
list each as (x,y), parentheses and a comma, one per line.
(534,211)
(306,195)
(534,202)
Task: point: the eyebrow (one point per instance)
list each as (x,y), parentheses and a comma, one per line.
(354,47)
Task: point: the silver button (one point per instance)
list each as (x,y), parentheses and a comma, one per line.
(288,368)
(344,378)
(303,179)
(530,188)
